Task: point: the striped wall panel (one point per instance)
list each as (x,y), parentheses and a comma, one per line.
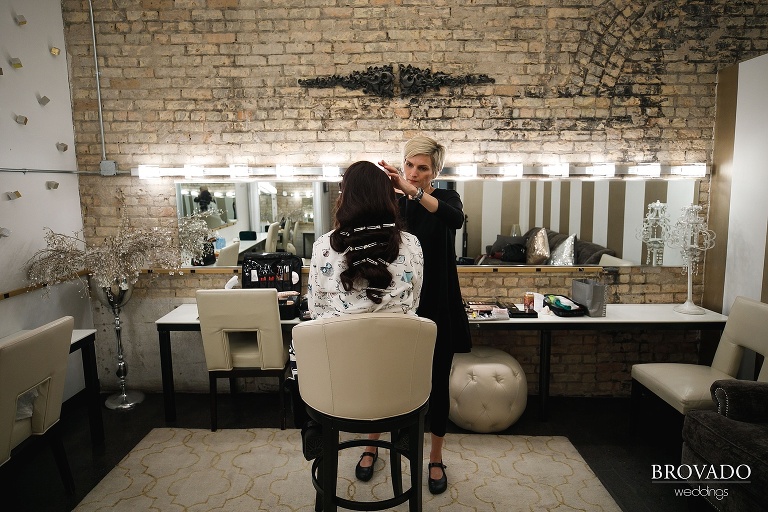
(606,212)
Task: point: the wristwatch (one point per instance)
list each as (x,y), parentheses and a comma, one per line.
(419,194)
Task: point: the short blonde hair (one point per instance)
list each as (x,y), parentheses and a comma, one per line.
(421,145)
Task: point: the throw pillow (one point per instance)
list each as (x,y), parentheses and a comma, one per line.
(513,253)
(537,248)
(502,241)
(562,255)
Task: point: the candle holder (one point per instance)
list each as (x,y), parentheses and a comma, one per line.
(654,232)
(691,235)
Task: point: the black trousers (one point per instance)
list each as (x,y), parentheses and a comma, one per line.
(439,398)
(298,406)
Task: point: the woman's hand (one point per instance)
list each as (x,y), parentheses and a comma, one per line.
(400,183)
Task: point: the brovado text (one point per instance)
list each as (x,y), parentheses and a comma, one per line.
(700,472)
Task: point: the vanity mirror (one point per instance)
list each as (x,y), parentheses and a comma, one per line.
(302,210)
(606,212)
(218,198)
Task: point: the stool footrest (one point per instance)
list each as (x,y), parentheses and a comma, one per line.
(412,423)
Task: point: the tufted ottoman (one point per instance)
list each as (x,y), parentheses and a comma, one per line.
(488,390)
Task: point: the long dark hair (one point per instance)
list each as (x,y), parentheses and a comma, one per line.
(367,228)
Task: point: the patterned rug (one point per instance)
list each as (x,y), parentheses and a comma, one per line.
(174,469)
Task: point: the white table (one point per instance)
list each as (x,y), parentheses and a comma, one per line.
(245,245)
(617,317)
(183,318)
(85,341)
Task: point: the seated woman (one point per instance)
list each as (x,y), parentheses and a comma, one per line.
(366,264)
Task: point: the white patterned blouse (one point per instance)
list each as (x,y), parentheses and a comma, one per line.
(327,297)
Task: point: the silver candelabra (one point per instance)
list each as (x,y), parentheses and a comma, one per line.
(654,232)
(691,235)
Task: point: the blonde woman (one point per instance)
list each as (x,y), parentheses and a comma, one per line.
(433,215)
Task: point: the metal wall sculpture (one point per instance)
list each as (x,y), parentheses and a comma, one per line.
(381,81)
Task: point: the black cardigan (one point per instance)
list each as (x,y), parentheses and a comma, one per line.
(440,295)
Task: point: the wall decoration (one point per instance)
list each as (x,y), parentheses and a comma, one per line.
(415,81)
(376,80)
(381,81)
(16,63)
(21,20)
(44,100)
(55,51)
(21,119)
(61,146)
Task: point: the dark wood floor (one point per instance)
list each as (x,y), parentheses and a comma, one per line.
(598,427)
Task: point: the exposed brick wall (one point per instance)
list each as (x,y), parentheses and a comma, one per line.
(215,82)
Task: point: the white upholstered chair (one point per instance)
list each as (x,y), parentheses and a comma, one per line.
(366,373)
(242,337)
(32,362)
(228,255)
(270,244)
(606,260)
(686,387)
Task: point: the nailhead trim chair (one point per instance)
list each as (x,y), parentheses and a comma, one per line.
(242,337)
(366,373)
(736,436)
(30,360)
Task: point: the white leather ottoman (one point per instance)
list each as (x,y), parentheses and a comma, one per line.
(488,390)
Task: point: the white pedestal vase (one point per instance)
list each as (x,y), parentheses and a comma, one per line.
(115,298)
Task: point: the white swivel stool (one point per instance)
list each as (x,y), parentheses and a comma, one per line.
(488,390)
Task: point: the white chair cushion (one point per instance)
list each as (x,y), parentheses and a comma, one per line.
(683,386)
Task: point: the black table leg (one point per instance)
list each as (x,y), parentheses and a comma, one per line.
(166,371)
(545,352)
(91,377)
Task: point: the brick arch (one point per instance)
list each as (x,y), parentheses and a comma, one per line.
(608,42)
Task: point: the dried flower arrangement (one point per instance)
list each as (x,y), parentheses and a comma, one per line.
(193,233)
(117,262)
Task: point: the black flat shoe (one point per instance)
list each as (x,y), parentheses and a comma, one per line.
(362,473)
(437,486)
